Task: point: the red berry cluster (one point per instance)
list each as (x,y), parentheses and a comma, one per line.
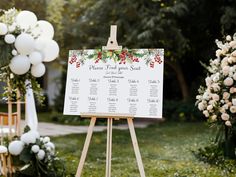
(134,59)
(99,57)
(73,59)
(122,57)
(158,59)
(152,64)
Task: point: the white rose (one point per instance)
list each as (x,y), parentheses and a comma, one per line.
(226,95)
(41,154)
(206,113)
(215,97)
(16,147)
(198,97)
(225,116)
(46,139)
(225,106)
(228,123)
(208,81)
(234,76)
(233,53)
(226,70)
(209,107)
(234,101)
(201,106)
(214,118)
(228,81)
(233,109)
(228,38)
(232,44)
(218,53)
(35,148)
(215,87)
(50,145)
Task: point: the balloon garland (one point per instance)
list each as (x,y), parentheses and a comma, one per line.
(26,43)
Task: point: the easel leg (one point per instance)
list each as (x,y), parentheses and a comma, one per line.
(109,147)
(86,145)
(136,148)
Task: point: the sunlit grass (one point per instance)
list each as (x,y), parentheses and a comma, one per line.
(166,152)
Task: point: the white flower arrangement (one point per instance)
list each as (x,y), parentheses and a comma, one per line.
(217,100)
(34,153)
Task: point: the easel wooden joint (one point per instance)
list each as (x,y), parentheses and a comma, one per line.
(111,45)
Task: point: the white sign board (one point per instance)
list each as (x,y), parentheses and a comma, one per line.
(115,82)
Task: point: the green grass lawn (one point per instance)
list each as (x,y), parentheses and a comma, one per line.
(166,150)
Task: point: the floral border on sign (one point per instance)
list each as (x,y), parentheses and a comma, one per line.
(151,56)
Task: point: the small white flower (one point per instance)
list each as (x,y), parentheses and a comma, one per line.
(9,38)
(201,106)
(214,118)
(215,87)
(46,139)
(233,109)
(226,70)
(209,107)
(206,113)
(228,123)
(208,81)
(234,101)
(233,53)
(234,76)
(225,106)
(14,52)
(16,147)
(11,76)
(225,116)
(41,154)
(215,97)
(232,44)
(228,81)
(198,97)
(218,53)
(228,38)
(35,148)
(50,144)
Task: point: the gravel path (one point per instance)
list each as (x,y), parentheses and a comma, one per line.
(51,129)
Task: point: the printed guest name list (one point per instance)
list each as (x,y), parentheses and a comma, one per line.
(115,82)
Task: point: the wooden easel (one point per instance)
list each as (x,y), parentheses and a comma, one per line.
(111,45)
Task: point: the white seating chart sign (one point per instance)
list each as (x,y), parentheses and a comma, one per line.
(115,82)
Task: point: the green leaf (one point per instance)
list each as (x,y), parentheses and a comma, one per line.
(26,155)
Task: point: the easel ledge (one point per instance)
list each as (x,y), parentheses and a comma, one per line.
(106,115)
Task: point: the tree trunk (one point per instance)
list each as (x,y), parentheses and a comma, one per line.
(181,79)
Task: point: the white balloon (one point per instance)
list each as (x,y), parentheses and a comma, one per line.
(24,44)
(35,58)
(38,70)
(26,19)
(51,51)
(40,43)
(3,29)
(20,64)
(9,38)
(46,29)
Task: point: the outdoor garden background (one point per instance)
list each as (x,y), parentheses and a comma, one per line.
(182,144)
